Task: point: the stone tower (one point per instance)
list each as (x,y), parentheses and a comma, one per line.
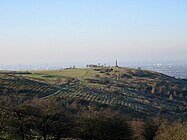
(116,63)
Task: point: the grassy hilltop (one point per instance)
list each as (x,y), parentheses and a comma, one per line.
(134,91)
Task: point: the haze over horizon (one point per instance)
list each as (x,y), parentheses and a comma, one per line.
(36,32)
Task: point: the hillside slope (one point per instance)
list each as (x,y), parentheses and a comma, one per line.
(134,90)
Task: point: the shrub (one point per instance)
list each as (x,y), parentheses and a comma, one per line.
(151,128)
(104,125)
(174,131)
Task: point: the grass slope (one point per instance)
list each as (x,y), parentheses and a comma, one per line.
(137,90)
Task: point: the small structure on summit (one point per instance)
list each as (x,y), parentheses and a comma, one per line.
(116,63)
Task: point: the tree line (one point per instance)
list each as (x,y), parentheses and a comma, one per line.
(56,118)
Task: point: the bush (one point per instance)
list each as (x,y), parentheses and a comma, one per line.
(103,125)
(174,131)
(138,128)
(151,128)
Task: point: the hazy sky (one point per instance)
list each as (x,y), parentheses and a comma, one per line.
(63,31)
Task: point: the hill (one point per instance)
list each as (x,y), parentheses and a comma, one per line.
(139,92)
